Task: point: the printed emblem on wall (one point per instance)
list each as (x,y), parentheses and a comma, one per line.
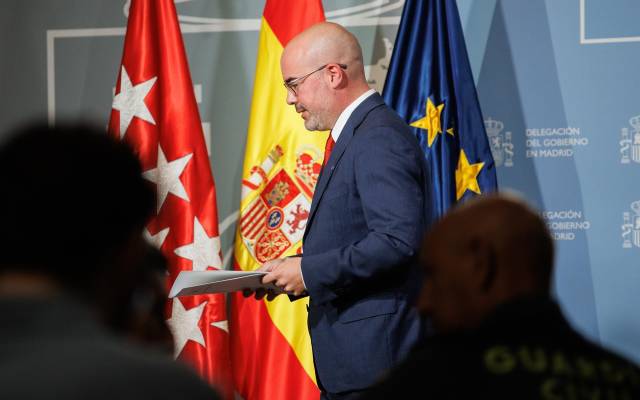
(630,142)
(631,226)
(377,73)
(501,143)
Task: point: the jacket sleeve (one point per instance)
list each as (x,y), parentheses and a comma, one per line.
(389,176)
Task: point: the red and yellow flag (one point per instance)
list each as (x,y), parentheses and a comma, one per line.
(154,110)
(271,349)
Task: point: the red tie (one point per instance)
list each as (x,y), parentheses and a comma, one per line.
(327,149)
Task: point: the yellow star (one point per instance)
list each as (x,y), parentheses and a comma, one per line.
(431,121)
(467,176)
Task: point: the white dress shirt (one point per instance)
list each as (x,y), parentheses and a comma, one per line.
(346,114)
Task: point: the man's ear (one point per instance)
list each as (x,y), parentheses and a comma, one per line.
(485,267)
(336,76)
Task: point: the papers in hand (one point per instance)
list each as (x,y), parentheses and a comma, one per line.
(206,282)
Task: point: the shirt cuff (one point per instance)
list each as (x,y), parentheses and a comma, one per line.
(302,276)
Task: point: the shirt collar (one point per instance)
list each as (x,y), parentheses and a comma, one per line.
(344,116)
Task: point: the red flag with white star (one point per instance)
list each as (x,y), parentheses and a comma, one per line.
(155,110)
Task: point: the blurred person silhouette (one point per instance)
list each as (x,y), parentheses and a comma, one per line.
(138,309)
(488,266)
(72,210)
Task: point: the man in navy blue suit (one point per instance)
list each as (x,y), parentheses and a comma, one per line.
(368,214)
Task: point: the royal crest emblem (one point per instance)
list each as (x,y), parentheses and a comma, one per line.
(275,220)
(377,73)
(501,144)
(630,142)
(631,226)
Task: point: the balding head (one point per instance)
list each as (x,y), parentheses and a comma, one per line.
(325,92)
(325,43)
(484,253)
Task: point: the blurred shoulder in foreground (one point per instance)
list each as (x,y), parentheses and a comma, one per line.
(72,267)
(488,266)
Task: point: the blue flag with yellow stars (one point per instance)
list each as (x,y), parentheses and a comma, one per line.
(430,85)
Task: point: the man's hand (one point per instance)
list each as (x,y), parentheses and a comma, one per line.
(260,293)
(286,273)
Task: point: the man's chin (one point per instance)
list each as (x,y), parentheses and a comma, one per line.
(310,125)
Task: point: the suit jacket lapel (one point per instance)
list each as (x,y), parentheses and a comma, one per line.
(352,124)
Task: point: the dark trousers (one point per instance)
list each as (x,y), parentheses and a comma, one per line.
(341,396)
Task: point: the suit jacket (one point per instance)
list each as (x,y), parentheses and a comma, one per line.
(367,218)
(525,350)
(56,349)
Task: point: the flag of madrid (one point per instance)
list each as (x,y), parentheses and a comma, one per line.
(154,110)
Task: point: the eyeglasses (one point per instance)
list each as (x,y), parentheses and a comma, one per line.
(293,83)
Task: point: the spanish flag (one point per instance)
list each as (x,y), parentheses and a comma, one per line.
(270,345)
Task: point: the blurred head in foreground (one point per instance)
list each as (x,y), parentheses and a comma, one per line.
(484,253)
(73,208)
(75,268)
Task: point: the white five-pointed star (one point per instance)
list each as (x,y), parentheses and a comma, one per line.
(184,325)
(158,239)
(224,325)
(130,101)
(167,176)
(204,251)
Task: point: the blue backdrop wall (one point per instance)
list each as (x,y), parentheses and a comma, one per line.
(558,84)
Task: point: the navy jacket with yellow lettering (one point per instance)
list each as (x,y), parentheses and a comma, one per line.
(524,350)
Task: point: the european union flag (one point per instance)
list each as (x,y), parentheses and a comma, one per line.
(430,85)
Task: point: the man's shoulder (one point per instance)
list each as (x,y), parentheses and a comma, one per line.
(383,126)
(379,112)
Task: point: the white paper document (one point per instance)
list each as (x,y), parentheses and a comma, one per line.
(205,282)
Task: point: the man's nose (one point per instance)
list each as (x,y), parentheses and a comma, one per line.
(291,97)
